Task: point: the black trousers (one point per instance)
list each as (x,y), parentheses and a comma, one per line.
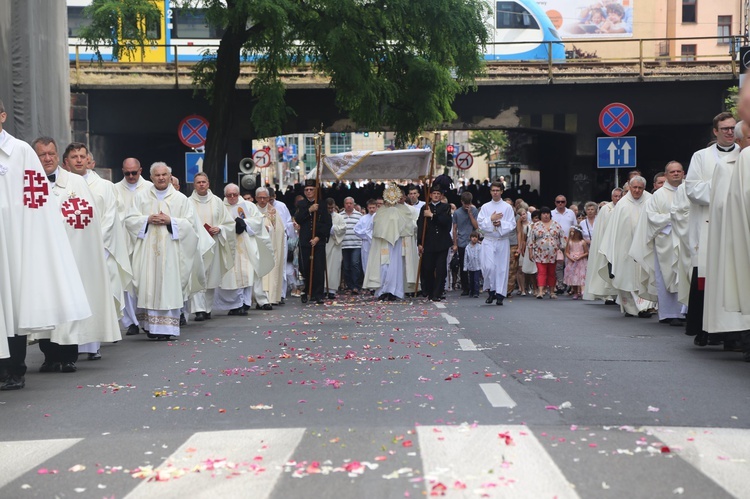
(433,273)
(694,325)
(319,270)
(54,352)
(462,270)
(15,365)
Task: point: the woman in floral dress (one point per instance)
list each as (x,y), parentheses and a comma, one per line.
(547,239)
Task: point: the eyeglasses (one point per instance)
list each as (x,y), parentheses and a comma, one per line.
(130,174)
(727,129)
(232,195)
(559,202)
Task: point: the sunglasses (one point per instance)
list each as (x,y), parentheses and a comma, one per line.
(130,174)
(559,202)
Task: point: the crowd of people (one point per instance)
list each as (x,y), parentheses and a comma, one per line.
(141,257)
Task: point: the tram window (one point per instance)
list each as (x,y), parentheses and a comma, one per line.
(512,15)
(191,23)
(76,21)
(130,28)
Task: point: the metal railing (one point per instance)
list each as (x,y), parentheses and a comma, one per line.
(635,57)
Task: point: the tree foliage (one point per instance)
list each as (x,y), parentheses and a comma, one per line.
(490,144)
(394,64)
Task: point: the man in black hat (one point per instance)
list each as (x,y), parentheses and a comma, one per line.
(434,247)
(309,241)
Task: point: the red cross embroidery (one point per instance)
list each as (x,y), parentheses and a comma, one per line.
(35,189)
(77,212)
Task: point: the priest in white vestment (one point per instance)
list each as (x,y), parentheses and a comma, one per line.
(218,224)
(391,224)
(618,238)
(334,249)
(363,230)
(656,247)
(253,257)
(497,221)
(273,282)
(168,254)
(127,189)
(286,220)
(598,285)
(80,217)
(698,189)
(113,234)
(680,215)
(34,252)
(721,249)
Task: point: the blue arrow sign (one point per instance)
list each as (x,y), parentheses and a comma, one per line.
(194,164)
(615,152)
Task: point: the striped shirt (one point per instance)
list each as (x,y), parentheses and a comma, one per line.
(351,240)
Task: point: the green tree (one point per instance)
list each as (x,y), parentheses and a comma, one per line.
(731,100)
(490,144)
(395,64)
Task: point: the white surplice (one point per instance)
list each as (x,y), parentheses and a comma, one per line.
(273,282)
(35,253)
(496,245)
(680,216)
(334,252)
(618,238)
(598,283)
(737,281)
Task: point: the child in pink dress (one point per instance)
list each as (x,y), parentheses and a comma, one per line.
(576,253)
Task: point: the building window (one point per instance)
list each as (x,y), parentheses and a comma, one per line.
(689,11)
(724,32)
(341,142)
(688,52)
(76,21)
(310,152)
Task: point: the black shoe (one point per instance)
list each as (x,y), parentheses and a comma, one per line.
(677,322)
(500,299)
(13,383)
(68,367)
(610,302)
(332,296)
(207,315)
(183,320)
(392,297)
(490,298)
(132,330)
(238,311)
(644,314)
(4,376)
(558,292)
(319,301)
(383,297)
(267,306)
(95,356)
(464,293)
(701,339)
(49,367)
(199,317)
(245,308)
(436,298)
(282,301)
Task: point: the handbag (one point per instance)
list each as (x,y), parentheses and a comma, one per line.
(455,262)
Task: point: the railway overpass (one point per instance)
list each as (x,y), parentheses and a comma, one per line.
(555,108)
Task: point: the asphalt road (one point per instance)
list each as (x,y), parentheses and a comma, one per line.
(537,398)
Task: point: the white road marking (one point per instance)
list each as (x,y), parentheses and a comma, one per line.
(496,395)
(450,319)
(438,304)
(24,455)
(722,454)
(499,461)
(269,448)
(466,344)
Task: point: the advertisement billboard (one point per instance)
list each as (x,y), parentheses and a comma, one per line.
(590,18)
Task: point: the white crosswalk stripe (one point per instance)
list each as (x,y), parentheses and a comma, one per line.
(499,461)
(19,457)
(467,460)
(722,454)
(249,459)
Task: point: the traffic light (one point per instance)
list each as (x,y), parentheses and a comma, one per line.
(449,155)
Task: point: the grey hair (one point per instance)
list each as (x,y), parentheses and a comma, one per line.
(590,203)
(617,189)
(638,178)
(261,190)
(159,164)
(231,186)
(348,198)
(738,133)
